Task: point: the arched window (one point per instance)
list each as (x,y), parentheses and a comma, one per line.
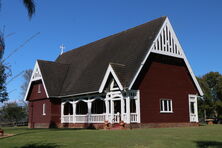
(68,109)
(132,106)
(81,108)
(98,107)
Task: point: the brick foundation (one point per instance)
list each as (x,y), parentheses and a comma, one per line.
(162,125)
(113,126)
(81,125)
(38,125)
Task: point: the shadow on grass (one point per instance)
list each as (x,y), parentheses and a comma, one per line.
(208,144)
(39,145)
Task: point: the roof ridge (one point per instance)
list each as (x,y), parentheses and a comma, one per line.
(117,64)
(54,62)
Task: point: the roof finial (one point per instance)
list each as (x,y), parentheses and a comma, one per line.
(62,47)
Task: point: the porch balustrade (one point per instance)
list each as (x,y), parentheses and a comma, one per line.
(133,118)
(93,118)
(97,118)
(114,102)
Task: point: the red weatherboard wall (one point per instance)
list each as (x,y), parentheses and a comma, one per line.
(33,92)
(36,112)
(55,111)
(36,101)
(164,77)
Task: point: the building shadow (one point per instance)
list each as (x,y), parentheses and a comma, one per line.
(208,144)
(39,145)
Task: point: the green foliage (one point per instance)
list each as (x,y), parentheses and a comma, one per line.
(30,6)
(12,113)
(2,44)
(26,76)
(211,103)
(3,77)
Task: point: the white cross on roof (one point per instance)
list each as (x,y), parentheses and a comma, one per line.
(62,47)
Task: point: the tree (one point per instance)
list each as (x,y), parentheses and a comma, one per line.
(211,103)
(27,76)
(3,77)
(13,113)
(30,6)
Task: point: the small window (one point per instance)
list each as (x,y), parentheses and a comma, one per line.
(166,106)
(43,109)
(39,88)
(192,107)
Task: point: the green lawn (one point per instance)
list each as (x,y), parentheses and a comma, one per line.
(187,137)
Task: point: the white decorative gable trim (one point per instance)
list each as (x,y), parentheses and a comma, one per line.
(108,72)
(36,75)
(167,43)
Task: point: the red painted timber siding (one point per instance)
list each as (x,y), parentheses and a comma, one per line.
(36,101)
(33,92)
(164,77)
(55,112)
(36,117)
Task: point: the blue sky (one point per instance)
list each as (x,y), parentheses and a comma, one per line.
(197,23)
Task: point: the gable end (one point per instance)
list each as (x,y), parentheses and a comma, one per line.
(36,76)
(167,43)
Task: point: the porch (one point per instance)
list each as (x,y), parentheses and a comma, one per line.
(112,107)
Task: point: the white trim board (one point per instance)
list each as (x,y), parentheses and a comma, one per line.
(36,78)
(170,47)
(108,72)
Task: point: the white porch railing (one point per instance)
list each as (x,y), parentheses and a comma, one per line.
(116,118)
(93,118)
(124,117)
(98,118)
(67,119)
(133,117)
(80,119)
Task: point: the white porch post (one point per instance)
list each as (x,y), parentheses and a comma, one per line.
(138,106)
(89,104)
(62,111)
(196,109)
(112,110)
(122,108)
(128,110)
(74,111)
(107,108)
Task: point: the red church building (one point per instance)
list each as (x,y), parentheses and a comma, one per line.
(139,77)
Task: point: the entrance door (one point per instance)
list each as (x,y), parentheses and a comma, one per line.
(117,111)
(193,108)
(117,106)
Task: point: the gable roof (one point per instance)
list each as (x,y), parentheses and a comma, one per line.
(82,70)
(53,75)
(88,63)
(117,72)
(120,72)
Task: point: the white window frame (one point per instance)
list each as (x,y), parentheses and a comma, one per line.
(43,109)
(163,106)
(39,88)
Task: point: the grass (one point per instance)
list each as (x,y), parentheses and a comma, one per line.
(187,137)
